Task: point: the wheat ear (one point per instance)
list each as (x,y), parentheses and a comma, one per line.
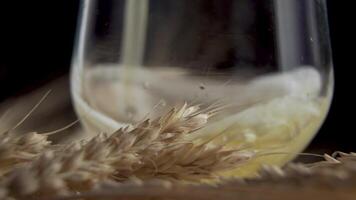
(150,149)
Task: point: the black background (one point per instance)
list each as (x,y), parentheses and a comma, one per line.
(36,41)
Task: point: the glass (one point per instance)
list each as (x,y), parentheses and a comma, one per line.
(268,62)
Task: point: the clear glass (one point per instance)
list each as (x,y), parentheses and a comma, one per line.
(267,61)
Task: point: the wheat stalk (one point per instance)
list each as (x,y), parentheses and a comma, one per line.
(151,149)
(334,178)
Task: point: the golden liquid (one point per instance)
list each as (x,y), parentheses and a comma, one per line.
(277,127)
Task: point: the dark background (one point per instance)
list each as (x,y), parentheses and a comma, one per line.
(36,41)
